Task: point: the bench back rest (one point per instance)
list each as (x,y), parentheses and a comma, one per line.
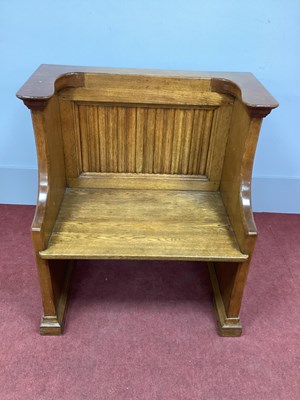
(144,132)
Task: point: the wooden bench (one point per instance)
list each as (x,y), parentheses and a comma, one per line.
(144,164)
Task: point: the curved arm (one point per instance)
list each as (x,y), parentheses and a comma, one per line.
(237,175)
(52,179)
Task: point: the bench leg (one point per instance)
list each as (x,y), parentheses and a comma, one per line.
(228,282)
(55,278)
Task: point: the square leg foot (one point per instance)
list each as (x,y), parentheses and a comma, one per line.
(50,326)
(229,330)
(227,326)
(54,324)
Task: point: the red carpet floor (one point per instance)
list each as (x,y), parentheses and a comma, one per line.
(147,330)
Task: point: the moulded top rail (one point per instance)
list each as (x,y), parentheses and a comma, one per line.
(49,78)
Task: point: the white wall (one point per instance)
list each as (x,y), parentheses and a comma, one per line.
(257,36)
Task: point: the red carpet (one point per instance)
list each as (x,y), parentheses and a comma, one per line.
(147,330)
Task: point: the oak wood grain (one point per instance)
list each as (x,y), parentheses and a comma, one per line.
(227,325)
(145,164)
(237,175)
(144,95)
(142,225)
(52,182)
(142,140)
(50,78)
(143,181)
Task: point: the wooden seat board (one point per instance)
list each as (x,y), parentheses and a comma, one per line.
(142,224)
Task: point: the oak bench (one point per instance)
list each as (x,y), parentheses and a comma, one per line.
(144,164)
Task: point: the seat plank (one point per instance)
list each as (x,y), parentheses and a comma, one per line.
(142,224)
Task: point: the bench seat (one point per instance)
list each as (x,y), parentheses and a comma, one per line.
(142,224)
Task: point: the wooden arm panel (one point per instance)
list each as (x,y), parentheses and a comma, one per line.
(51,171)
(237,172)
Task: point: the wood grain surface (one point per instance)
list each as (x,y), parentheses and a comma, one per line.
(143,140)
(142,225)
(48,79)
(145,164)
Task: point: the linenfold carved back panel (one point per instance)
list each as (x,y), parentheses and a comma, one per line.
(145,139)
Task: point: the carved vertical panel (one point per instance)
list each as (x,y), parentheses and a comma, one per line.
(145,139)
